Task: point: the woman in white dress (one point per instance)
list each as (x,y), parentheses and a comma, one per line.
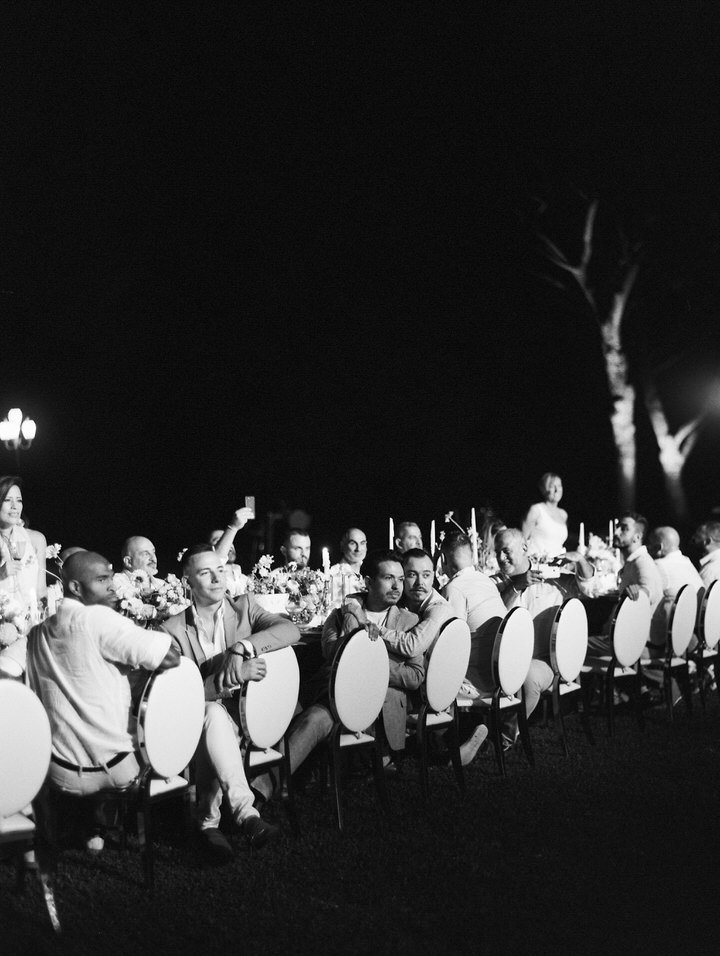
(22,575)
(545,526)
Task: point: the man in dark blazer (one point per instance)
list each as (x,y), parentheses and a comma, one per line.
(224,637)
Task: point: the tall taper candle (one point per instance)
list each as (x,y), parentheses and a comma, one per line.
(326,562)
(391,534)
(611,532)
(581,537)
(432,537)
(473,528)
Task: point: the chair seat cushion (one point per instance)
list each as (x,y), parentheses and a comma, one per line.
(15,827)
(352,740)
(432,720)
(260,757)
(658,665)
(159,786)
(568,688)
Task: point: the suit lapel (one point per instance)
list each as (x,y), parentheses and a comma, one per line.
(230,619)
(192,635)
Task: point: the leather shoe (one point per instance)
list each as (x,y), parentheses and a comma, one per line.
(258,831)
(216,844)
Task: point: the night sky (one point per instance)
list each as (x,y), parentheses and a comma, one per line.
(291,252)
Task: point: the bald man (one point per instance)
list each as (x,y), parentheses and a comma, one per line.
(707,540)
(78,662)
(676,570)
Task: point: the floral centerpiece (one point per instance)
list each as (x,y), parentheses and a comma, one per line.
(150,601)
(14,619)
(606,561)
(305,590)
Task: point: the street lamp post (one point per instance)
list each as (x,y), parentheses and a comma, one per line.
(17,432)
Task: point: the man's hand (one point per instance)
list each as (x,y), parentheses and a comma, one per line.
(633,591)
(373,631)
(241,518)
(353,611)
(237,670)
(254,669)
(171,659)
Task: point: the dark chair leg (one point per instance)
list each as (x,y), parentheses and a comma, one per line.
(524,732)
(378,773)
(453,740)
(635,693)
(336,770)
(558,715)
(144,828)
(610,702)
(422,745)
(496,735)
(286,778)
(667,692)
(585,713)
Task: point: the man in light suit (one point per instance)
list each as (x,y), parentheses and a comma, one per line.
(224,637)
(383,578)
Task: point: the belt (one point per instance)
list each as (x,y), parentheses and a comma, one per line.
(71,766)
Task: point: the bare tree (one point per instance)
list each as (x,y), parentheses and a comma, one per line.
(609,318)
(607,298)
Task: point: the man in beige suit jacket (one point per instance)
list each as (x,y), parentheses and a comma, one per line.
(224,637)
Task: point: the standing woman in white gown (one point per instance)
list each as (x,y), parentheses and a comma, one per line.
(545,526)
(22,573)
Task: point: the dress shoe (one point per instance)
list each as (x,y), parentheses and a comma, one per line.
(258,831)
(95,845)
(216,845)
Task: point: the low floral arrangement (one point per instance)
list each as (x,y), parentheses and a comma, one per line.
(13,619)
(606,561)
(150,600)
(306,589)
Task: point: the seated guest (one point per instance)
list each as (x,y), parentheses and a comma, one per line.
(138,553)
(638,573)
(296,548)
(408,536)
(676,570)
(707,539)
(433,611)
(223,637)
(375,607)
(353,546)
(523,587)
(78,662)
(475,599)
(223,541)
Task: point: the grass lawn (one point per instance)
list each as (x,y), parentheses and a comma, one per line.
(614,850)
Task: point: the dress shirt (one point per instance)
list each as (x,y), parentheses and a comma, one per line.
(77,665)
(710,567)
(639,568)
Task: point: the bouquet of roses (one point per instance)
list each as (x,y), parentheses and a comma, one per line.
(306,589)
(13,619)
(147,599)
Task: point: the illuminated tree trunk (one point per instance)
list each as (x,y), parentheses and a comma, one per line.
(673,450)
(622,392)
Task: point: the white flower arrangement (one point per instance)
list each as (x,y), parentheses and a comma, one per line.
(13,619)
(148,599)
(306,589)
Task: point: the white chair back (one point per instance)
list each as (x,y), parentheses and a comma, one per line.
(681,623)
(513,650)
(170,718)
(447,665)
(267,706)
(359,681)
(569,640)
(710,616)
(24,746)
(630,628)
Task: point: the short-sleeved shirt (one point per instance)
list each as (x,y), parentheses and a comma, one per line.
(78,665)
